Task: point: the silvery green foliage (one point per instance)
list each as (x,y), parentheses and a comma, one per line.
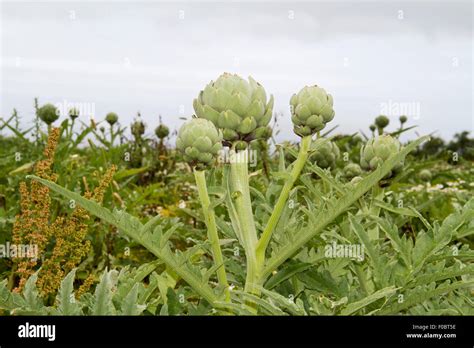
(199,141)
(119,293)
(379,149)
(48,113)
(311,109)
(326,155)
(236,106)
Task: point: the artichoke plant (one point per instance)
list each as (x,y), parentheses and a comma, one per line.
(236,106)
(199,141)
(326,155)
(162,131)
(111,118)
(379,149)
(48,113)
(311,109)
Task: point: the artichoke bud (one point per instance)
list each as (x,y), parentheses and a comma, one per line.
(352,170)
(199,141)
(234,105)
(162,131)
(403,119)
(377,150)
(111,118)
(425,175)
(311,109)
(73,113)
(326,155)
(382,121)
(138,128)
(372,127)
(48,113)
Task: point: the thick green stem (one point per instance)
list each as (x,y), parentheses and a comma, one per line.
(112,136)
(284,194)
(241,196)
(210,219)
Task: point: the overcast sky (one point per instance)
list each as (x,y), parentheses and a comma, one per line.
(155,56)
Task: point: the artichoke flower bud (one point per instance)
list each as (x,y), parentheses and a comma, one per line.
(425,175)
(111,118)
(73,113)
(236,106)
(162,131)
(48,113)
(199,141)
(352,170)
(378,150)
(138,129)
(326,155)
(403,119)
(372,127)
(311,109)
(382,121)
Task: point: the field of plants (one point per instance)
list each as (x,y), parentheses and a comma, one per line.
(216,218)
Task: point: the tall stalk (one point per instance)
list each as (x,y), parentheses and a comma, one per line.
(282,199)
(241,196)
(212,235)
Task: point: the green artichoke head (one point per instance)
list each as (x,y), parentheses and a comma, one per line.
(48,113)
(382,121)
(425,175)
(111,118)
(311,109)
(372,127)
(326,155)
(162,131)
(138,128)
(236,106)
(73,113)
(403,119)
(378,150)
(199,141)
(352,170)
